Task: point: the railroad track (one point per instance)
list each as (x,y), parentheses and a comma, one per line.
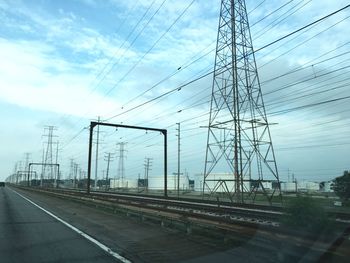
(223,212)
(258,225)
(186,207)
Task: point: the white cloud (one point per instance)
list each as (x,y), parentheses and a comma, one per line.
(56,63)
(26,80)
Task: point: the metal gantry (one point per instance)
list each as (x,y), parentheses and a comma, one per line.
(93,124)
(29,172)
(239,140)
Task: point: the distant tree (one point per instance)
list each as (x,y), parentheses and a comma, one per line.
(341,186)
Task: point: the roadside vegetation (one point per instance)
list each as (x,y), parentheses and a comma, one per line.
(341,186)
(305,213)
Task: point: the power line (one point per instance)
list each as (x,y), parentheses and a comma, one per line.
(74,137)
(209,73)
(134,28)
(302,28)
(208,52)
(169,28)
(273,24)
(302,67)
(308,106)
(257,6)
(134,40)
(150,49)
(269,14)
(160,96)
(303,81)
(346,85)
(302,43)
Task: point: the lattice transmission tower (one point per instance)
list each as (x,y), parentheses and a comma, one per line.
(121,166)
(49,157)
(240,160)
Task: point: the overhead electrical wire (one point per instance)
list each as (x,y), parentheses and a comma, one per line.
(193,61)
(181,68)
(255,51)
(313,146)
(207,74)
(120,47)
(277,21)
(160,96)
(256,7)
(303,66)
(135,38)
(151,48)
(302,28)
(303,42)
(116,32)
(308,106)
(305,80)
(288,96)
(271,13)
(201,56)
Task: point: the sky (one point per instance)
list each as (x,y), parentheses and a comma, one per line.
(64,63)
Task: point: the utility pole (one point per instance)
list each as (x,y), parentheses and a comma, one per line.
(15,172)
(148,165)
(75,174)
(80,174)
(48,156)
(19,167)
(26,168)
(57,177)
(27,157)
(138,183)
(108,158)
(42,167)
(97,144)
(71,170)
(178,159)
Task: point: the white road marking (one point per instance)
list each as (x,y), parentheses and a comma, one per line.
(99,244)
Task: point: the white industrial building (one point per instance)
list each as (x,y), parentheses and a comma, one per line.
(157,182)
(123,183)
(300,186)
(306,186)
(290,187)
(154,183)
(215,180)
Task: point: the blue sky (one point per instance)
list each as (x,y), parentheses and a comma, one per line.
(64,63)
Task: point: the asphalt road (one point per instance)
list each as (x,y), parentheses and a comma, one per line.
(28,234)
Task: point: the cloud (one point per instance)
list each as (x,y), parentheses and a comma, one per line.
(53,54)
(33,77)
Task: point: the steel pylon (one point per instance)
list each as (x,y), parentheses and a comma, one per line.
(240,159)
